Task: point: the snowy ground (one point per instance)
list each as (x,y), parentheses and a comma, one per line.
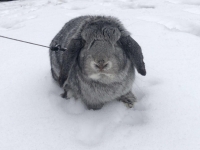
(167,114)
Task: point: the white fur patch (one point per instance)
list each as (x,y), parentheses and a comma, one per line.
(92,64)
(99,75)
(95,76)
(109,65)
(56,70)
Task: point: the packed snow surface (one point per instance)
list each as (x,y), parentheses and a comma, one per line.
(167,113)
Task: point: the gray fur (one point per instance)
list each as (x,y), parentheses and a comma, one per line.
(99,61)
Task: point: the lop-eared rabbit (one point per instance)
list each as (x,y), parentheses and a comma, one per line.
(93,58)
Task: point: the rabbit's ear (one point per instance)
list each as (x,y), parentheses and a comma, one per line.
(134,53)
(70,57)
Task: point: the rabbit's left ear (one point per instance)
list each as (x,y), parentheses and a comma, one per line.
(69,58)
(134,53)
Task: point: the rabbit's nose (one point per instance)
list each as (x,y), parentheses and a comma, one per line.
(101,65)
(101,61)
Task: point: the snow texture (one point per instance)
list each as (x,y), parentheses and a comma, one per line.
(167,113)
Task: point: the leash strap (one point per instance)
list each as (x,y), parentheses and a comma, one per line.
(57,47)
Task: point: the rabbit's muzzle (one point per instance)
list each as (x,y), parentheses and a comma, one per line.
(101,66)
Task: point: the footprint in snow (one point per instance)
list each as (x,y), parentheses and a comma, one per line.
(74,7)
(176,24)
(95,126)
(134,6)
(14,22)
(188,2)
(193,11)
(11,24)
(187,27)
(145,7)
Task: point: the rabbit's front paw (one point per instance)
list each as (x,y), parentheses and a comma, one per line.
(128,99)
(64,95)
(94,106)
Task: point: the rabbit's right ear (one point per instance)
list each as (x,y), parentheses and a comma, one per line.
(133,52)
(70,56)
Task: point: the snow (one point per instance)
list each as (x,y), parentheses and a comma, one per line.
(167,114)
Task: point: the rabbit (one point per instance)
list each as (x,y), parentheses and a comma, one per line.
(93,58)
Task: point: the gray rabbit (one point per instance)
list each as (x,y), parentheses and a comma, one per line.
(94,59)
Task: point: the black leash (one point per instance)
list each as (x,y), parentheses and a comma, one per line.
(57,47)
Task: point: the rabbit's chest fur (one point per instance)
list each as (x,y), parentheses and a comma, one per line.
(101,93)
(94,92)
